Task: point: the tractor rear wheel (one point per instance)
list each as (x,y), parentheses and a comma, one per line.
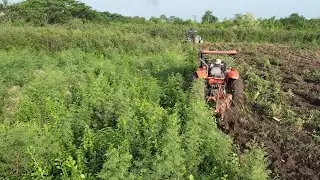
(237,91)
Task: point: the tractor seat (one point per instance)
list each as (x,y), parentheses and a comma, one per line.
(219,76)
(216,72)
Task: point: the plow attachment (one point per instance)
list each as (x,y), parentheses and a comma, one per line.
(222,104)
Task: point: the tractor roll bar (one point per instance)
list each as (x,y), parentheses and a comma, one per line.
(231,52)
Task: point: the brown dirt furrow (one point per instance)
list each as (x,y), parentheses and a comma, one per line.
(296,157)
(294,152)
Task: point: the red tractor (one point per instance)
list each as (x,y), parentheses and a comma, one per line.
(224,86)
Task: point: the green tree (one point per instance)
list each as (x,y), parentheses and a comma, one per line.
(294,21)
(189,22)
(51,12)
(270,23)
(209,18)
(138,20)
(118,17)
(175,20)
(246,20)
(164,18)
(155,20)
(314,24)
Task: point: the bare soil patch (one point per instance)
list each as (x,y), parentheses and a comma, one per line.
(294,152)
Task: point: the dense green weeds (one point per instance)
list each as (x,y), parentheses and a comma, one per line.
(108,104)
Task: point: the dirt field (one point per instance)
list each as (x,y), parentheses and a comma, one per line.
(294,151)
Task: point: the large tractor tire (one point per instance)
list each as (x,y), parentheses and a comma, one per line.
(237,91)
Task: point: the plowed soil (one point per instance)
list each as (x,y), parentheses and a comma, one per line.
(294,152)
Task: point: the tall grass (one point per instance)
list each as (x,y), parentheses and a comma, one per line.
(107,102)
(139,38)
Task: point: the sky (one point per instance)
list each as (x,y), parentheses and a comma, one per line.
(188,9)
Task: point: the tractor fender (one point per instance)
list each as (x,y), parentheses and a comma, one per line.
(202,74)
(233,74)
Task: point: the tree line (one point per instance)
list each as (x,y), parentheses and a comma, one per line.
(41,12)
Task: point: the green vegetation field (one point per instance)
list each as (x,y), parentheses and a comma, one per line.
(108,104)
(115,100)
